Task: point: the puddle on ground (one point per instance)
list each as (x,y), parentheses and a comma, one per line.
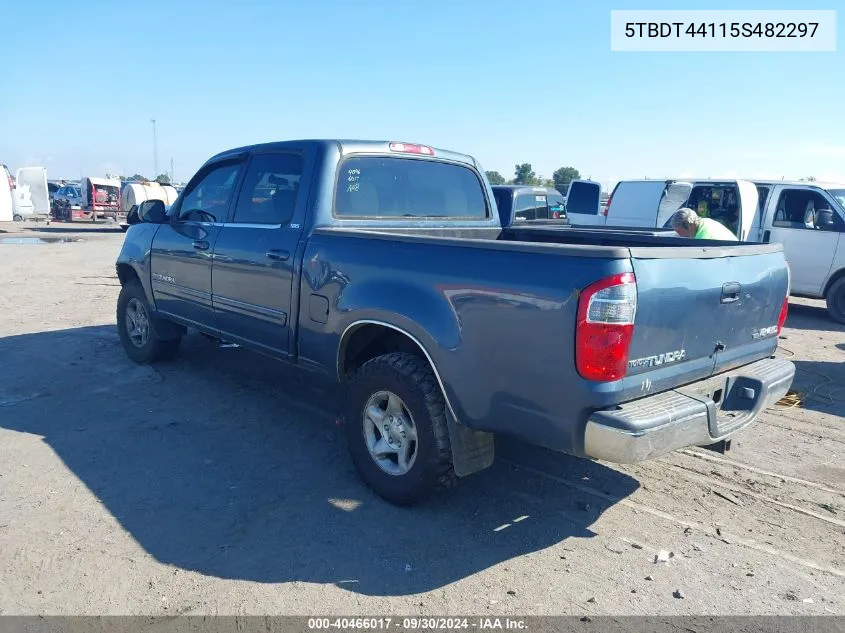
(38,240)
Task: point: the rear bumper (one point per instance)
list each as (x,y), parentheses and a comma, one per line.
(699,414)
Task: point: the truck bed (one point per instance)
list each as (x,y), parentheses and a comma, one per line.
(582,242)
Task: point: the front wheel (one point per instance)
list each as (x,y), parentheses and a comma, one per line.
(136,329)
(17,217)
(836,301)
(396,429)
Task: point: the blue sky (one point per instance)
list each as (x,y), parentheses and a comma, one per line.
(507,82)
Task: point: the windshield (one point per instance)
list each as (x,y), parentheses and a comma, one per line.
(839,196)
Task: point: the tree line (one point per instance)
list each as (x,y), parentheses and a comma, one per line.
(162,179)
(524,175)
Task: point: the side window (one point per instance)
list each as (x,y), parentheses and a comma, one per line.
(270,187)
(211,194)
(531,207)
(804,209)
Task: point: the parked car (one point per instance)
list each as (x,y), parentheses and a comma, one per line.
(520,203)
(67,204)
(808,218)
(70,193)
(385,266)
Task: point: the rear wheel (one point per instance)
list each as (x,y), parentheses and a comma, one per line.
(396,429)
(17,217)
(836,301)
(136,328)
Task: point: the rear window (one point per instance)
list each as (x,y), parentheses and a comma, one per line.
(373,186)
(532,206)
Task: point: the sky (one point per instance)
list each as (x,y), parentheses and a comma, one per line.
(506,82)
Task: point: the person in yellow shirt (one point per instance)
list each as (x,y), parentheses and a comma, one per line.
(687,223)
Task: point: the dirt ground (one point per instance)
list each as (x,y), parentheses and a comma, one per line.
(219,484)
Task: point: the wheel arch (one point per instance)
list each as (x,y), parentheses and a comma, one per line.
(373,335)
(472,450)
(839,274)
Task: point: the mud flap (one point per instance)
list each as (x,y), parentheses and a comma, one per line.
(167,330)
(472,451)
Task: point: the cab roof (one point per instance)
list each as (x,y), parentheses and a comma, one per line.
(348,146)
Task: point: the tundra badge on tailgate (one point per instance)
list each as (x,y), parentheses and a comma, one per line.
(763,332)
(660,359)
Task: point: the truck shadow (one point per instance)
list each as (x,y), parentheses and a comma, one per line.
(821,385)
(231,465)
(803,316)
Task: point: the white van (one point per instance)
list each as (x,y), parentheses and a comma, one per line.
(7,187)
(653,202)
(808,218)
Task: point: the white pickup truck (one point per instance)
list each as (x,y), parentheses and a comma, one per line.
(808,218)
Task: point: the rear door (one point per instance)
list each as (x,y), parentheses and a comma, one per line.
(675,196)
(36,179)
(698,314)
(583,203)
(254,262)
(635,203)
(749,203)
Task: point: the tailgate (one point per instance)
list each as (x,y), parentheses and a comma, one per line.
(699,315)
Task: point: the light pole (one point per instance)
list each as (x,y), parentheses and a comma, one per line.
(155,151)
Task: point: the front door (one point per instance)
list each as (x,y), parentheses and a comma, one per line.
(254,257)
(809,244)
(181,251)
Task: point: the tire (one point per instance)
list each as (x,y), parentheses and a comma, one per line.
(17,218)
(422,404)
(836,300)
(145,346)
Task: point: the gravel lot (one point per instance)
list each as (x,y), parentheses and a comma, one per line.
(219,484)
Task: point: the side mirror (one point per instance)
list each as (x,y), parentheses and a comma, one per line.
(132,215)
(824,219)
(152,212)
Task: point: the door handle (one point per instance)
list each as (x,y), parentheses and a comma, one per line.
(201,245)
(730,292)
(278,255)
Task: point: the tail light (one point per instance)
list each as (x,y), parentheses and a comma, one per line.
(784,311)
(11,182)
(411,148)
(556,215)
(607,206)
(606,311)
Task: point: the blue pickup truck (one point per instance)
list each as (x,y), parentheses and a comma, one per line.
(385,267)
